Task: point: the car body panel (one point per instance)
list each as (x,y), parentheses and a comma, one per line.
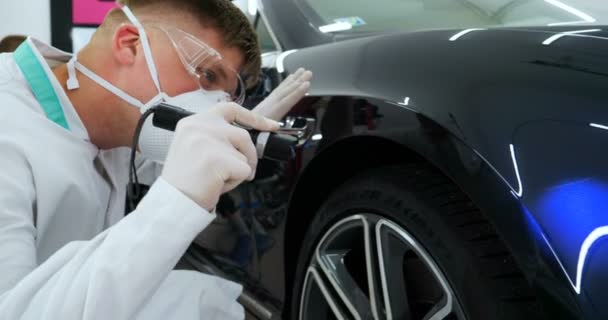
(531,112)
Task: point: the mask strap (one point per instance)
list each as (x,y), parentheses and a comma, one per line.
(146,45)
(72,83)
(108,86)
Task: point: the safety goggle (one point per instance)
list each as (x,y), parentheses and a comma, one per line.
(205,64)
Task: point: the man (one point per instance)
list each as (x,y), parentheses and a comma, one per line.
(66,252)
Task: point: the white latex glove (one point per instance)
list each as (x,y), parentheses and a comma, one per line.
(285,96)
(209,156)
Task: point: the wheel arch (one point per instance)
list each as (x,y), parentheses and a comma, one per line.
(347,157)
(334,166)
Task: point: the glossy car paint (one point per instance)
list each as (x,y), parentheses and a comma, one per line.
(510,121)
(517,118)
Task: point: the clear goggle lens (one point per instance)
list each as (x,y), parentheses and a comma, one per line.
(206,65)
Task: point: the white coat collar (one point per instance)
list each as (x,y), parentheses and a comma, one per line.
(50,57)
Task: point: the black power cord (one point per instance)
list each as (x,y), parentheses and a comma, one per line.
(134,188)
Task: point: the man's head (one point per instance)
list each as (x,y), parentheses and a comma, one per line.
(10,43)
(218,23)
(116,53)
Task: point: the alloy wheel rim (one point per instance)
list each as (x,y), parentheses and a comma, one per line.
(368,267)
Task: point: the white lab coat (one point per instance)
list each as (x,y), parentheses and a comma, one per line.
(66,252)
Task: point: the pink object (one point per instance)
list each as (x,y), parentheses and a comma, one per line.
(90,12)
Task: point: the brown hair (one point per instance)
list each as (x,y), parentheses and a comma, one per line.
(10,43)
(223,16)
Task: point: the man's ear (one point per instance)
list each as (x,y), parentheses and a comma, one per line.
(124,43)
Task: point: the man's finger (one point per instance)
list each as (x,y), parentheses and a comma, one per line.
(295,75)
(233,113)
(306,75)
(302,77)
(241,140)
(239,171)
(283,106)
(287,88)
(297,94)
(291,80)
(283,87)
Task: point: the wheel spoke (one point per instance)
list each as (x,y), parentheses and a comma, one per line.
(313,308)
(441,310)
(345,286)
(373,246)
(390,252)
(444,306)
(332,257)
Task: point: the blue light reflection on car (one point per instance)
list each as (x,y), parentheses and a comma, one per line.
(574,217)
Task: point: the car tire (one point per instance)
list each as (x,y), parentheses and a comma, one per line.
(458,249)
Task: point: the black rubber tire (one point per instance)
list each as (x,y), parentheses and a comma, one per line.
(484,276)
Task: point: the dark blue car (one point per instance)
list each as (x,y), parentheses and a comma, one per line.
(454,163)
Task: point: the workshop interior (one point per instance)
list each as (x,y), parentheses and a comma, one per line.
(448,161)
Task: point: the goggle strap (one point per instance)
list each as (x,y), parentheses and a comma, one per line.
(145,44)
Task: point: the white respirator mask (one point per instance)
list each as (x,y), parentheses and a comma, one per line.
(154,142)
(196,56)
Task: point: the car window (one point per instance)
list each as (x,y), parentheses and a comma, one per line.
(413,15)
(264,37)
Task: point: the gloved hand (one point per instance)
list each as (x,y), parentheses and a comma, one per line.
(210,156)
(285,96)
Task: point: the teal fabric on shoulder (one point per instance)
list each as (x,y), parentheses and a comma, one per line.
(40,84)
